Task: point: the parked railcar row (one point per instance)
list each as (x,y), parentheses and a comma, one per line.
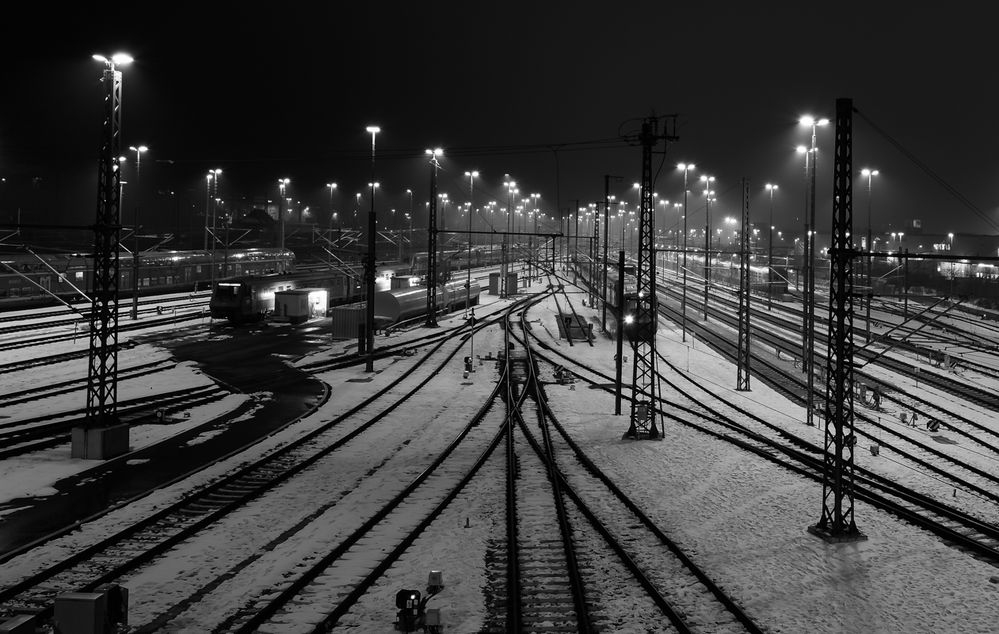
(252,298)
(456,259)
(27,279)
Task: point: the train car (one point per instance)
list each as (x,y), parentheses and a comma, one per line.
(401,304)
(27,279)
(251,298)
(452,260)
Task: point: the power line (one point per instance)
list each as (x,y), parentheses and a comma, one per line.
(939,179)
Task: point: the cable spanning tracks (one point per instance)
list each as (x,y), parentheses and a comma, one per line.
(564,583)
(777,445)
(144,541)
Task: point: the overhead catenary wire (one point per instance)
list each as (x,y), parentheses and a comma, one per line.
(964,200)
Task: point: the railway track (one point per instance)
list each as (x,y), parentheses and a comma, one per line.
(969,477)
(959,528)
(134,546)
(396,524)
(35,434)
(73,336)
(663,575)
(19,397)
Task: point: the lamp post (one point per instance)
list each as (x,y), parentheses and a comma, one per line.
(329,237)
(707,180)
(511,186)
(102,375)
(135,228)
(808,338)
(432,239)
(369,365)
(282,185)
(686,167)
(870,174)
(471,205)
(213,200)
(535,197)
(770,249)
(409,217)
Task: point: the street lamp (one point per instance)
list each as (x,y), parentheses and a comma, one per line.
(432,238)
(686,167)
(369,365)
(808,327)
(213,183)
(707,180)
(770,249)
(870,174)
(471,206)
(535,197)
(135,229)
(329,236)
(409,217)
(282,185)
(511,189)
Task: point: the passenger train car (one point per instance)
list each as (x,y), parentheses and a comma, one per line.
(251,298)
(456,259)
(26,279)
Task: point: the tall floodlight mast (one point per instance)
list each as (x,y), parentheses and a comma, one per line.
(102,435)
(432,240)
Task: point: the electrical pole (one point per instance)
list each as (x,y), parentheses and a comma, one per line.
(370,264)
(837,522)
(646,416)
(432,241)
(744,351)
(603,285)
(809,362)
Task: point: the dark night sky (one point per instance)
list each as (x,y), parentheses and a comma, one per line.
(288,91)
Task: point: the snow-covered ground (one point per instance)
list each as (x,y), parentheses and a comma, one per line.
(741,518)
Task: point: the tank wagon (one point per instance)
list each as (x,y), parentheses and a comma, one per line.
(400,304)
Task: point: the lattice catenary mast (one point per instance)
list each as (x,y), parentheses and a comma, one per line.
(837,521)
(646,419)
(742,373)
(102,436)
